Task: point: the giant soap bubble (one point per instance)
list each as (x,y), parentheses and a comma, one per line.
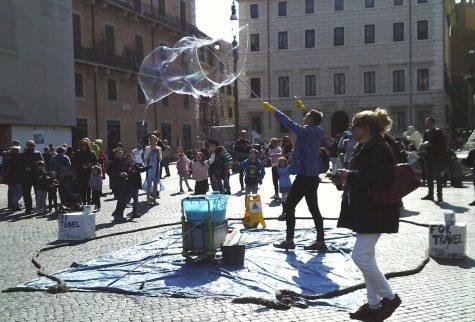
(194,66)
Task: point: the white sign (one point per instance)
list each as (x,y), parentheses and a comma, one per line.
(76,226)
(447,241)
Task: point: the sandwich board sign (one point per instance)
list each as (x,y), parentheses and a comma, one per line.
(447,241)
(76,226)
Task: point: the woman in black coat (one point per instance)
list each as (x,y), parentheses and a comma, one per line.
(84,159)
(370,169)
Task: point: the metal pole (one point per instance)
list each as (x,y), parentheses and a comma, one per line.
(236,108)
(268,59)
(152,29)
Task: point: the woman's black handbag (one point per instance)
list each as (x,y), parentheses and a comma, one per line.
(404,182)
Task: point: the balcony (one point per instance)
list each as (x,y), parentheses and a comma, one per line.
(157,15)
(105,58)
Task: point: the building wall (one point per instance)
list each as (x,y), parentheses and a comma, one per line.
(353,58)
(36,63)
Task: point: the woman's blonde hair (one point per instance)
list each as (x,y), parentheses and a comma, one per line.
(377,120)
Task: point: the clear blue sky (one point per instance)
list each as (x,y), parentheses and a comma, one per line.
(212,17)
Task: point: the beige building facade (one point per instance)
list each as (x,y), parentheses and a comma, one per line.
(111,38)
(342,57)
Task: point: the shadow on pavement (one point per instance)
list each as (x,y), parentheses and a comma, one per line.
(454,208)
(465,263)
(408,213)
(314,269)
(16,216)
(105,225)
(275,203)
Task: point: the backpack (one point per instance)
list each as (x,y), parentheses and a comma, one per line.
(325,160)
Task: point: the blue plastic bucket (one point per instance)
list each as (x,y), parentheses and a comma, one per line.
(196,208)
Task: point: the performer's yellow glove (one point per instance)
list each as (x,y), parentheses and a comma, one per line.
(298,102)
(269,107)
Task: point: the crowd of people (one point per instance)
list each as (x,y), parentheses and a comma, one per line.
(58,170)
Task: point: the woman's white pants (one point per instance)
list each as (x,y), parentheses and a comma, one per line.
(364,256)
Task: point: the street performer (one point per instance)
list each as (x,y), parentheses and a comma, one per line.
(307,165)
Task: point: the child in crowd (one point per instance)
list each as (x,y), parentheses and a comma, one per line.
(114,167)
(284,182)
(218,169)
(199,169)
(223,179)
(253,172)
(118,177)
(134,181)
(43,183)
(68,192)
(183,170)
(275,152)
(95,184)
(412,154)
(53,193)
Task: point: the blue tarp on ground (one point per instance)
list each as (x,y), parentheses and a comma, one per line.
(266,269)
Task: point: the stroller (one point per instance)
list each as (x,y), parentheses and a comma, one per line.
(68,192)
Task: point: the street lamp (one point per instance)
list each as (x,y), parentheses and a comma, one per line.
(235,30)
(233,12)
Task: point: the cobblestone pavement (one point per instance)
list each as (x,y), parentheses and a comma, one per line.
(443,291)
